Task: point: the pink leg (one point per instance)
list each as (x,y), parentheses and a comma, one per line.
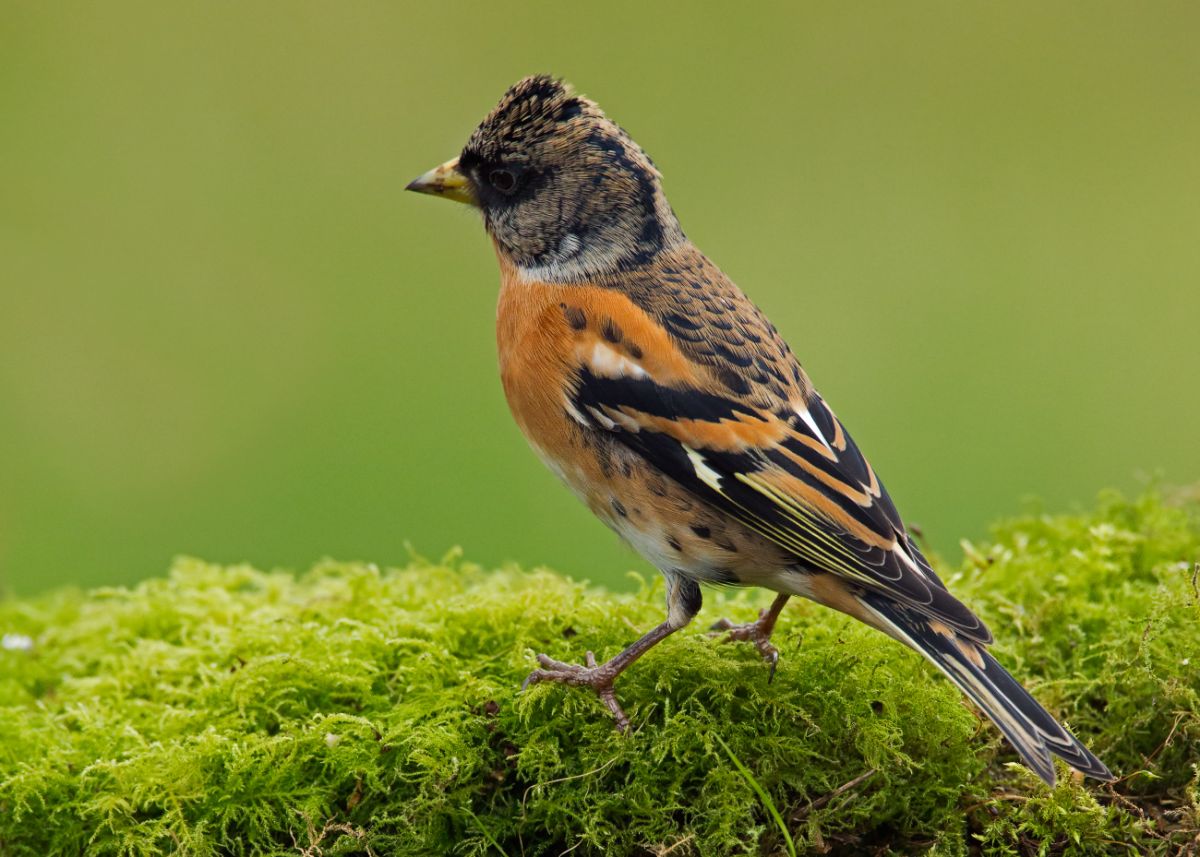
(758,631)
(683,602)
(599,678)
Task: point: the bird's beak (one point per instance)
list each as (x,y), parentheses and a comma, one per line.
(445,181)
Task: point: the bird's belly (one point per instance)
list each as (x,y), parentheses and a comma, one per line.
(666,524)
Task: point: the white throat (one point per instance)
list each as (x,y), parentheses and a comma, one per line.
(571,262)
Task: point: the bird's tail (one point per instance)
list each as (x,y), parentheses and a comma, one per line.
(1035,734)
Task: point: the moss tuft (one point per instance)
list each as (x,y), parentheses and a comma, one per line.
(355,711)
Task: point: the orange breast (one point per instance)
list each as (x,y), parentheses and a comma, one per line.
(535,346)
(546,331)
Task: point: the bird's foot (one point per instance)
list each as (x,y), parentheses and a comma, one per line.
(598,677)
(757,632)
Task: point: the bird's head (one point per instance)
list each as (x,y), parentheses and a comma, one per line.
(565,193)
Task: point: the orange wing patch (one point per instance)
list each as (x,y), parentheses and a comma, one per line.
(617,337)
(727,435)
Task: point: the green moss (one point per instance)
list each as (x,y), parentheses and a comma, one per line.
(355,711)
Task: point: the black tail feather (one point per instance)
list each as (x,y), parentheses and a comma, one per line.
(1029,727)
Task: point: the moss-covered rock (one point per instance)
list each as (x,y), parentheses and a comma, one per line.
(356,711)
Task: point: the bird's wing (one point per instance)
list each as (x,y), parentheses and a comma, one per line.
(786,468)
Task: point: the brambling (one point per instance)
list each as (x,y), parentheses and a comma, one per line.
(666,400)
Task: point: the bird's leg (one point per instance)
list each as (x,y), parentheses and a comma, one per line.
(683,602)
(758,631)
(599,677)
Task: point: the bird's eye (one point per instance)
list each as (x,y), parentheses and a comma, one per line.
(503,180)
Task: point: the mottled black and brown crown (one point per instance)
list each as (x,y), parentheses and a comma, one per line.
(566,193)
(532,108)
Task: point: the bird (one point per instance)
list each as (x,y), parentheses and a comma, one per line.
(647,381)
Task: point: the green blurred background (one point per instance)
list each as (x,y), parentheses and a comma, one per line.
(225,331)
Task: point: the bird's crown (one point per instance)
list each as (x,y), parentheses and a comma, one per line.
(534,107)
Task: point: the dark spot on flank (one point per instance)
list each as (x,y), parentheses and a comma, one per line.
(726,545)
(702,532)
(574,316)
(635,351)
(618,507)
(674,543)
(611,331)
(657,486)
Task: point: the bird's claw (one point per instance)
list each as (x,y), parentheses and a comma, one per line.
(598,677)
(757,632)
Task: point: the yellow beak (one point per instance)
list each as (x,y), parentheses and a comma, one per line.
(445,181)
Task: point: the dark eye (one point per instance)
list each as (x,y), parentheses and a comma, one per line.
(503,180)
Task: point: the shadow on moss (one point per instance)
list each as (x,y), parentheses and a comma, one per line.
(354,711)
